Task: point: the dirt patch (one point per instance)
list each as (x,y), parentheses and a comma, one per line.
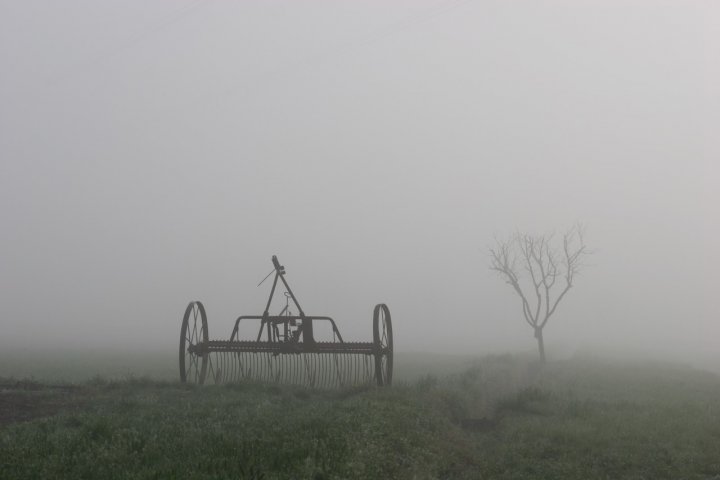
(22,401)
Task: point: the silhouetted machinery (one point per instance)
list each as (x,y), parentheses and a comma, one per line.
(285,349)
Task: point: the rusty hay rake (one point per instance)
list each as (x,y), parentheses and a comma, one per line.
(285,350)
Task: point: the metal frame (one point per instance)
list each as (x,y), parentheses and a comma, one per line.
(289,352)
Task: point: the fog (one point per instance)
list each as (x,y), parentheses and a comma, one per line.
(157,152)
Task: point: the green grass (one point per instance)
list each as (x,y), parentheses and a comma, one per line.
(502,417)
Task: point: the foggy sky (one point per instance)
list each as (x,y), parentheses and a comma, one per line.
(157,152)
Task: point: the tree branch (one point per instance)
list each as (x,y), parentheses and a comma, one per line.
(504,263)
(540,260)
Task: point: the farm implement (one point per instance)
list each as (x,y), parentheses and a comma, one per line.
(285,349)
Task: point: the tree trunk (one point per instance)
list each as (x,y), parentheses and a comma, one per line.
(541,343)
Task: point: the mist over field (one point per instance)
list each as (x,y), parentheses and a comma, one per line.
(154,153)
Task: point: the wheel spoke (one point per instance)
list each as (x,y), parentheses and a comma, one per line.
(193,361)
(194,365)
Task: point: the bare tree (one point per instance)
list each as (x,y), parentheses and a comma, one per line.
(550,271)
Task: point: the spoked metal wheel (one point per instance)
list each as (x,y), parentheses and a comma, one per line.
(193,339)
(383,339)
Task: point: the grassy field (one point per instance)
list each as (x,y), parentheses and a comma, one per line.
(495,417)
(58,366)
